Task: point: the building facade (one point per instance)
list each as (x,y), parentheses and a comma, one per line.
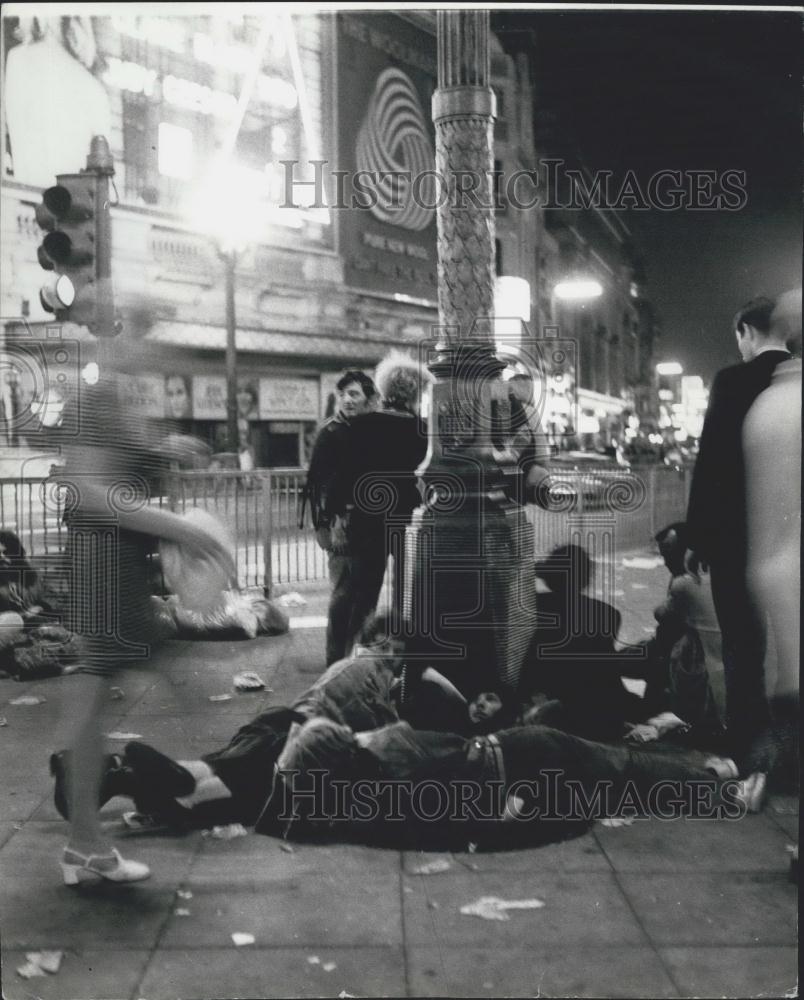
(310,136)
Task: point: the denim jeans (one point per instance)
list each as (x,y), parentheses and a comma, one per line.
(356,579)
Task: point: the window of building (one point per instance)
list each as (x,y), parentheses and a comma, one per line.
(175,151)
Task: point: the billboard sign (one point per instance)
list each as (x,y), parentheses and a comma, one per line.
(385,190)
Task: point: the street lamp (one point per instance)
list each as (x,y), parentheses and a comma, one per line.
(224,208)
(669,368)
(578,289)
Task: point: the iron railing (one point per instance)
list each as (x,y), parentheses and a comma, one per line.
(260,510)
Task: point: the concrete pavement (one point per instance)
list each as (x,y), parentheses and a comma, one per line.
(656,909)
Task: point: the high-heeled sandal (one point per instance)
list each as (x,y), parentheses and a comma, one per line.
(75,865)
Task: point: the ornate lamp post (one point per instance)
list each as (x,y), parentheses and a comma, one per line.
(469,589)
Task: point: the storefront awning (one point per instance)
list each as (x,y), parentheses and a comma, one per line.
(202,337)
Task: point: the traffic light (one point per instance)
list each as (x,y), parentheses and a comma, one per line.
(69,250)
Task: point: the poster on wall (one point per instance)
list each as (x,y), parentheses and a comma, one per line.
(386,147)
(248,399)
(178,396)
(209,397)
(289,399)
(144,394)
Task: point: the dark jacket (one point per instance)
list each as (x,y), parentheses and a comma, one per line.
(325,460)
(376,480)
(716,513)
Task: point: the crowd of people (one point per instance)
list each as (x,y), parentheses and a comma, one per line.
(374,722)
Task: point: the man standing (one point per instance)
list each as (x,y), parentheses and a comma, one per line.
(356,394)
(376,489)
(716,521)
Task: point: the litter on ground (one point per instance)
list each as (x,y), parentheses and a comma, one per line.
(615,821)
(220,697)
(27,699)
(39,963)
(29,970)
(643,562)
(241,938)
(229,832)
(249,681)
(123,736)
(493,908)
(291,600)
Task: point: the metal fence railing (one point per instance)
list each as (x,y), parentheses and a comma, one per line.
(260,510)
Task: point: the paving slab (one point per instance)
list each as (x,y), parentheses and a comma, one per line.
(536,971)
(92,972)
(258,859)
(582,854)
(734,972)
(276,972)
(59,916)
(286,907)
(728,908)
(754,843)
(578,909)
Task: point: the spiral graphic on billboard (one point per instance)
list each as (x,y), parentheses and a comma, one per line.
(393,137)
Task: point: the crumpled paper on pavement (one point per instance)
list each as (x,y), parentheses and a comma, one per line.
(494,908)
(38,963)
(240,938)
(248,681)
(643,562)
(291,600)
(27,699)
(229,832)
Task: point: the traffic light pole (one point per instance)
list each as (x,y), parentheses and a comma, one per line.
(230,261)
(100,163)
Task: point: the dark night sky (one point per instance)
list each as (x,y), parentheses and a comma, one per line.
(646,91)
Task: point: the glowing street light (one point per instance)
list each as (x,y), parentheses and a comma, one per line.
(669,368)
(578,289)
(228,208)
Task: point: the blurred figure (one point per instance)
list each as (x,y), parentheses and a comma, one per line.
(772,445)
(356,395)
(527,440)
(112,469)
(716,522)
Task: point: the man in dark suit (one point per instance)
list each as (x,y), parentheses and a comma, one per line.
(716,522)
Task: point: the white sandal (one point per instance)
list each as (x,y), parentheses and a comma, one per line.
(74,865)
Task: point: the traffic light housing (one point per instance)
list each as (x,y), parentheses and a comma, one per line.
(68,214)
